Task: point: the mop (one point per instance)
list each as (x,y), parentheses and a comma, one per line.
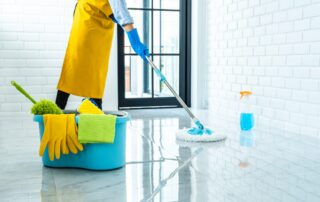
(198,133)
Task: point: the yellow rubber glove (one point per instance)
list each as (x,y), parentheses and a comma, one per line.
(64,146)
(54,135)
(87,107)
(72,135)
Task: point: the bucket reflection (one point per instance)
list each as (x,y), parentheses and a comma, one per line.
(246,144)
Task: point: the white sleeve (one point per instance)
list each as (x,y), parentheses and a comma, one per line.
(120,12)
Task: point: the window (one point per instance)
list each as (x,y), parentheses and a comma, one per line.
(164,28)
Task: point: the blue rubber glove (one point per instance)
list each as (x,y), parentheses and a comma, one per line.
(136,44)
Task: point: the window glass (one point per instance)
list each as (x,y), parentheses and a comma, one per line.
(166,31)
(139,3)
(166,4)
(169,66)
(137,81)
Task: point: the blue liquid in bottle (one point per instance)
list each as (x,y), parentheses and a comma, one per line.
(246,121)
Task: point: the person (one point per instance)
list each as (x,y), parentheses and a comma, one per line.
(85,66)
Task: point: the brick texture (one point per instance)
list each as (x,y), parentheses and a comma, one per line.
(271,48)
(33,39)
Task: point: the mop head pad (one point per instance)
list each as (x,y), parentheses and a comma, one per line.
(184,135)
(199,134)
(204,144)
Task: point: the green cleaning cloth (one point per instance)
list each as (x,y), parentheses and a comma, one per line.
(96,128)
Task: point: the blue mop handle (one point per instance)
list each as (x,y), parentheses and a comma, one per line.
(183,104)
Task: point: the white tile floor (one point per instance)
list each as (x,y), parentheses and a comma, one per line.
(266,165)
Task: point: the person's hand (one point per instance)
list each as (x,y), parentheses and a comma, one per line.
(138,47)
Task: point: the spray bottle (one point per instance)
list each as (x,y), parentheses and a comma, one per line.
(246,115)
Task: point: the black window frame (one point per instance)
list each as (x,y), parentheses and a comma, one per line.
(184,65)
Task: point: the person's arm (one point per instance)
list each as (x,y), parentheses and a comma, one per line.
(120,12)
(124,19)
(128,27)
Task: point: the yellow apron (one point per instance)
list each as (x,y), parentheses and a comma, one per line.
(86,60)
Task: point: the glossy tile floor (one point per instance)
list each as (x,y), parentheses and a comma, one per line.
(265,165)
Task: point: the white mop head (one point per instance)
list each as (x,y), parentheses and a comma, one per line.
(185,136)
(210,145)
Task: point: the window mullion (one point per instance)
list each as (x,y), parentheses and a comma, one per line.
(152,50)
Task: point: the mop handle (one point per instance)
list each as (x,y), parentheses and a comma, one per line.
(21,90)
(164,80)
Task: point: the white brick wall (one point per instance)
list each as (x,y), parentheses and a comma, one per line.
(33,39)
(271,47)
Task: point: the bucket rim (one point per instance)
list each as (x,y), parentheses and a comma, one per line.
(122,116)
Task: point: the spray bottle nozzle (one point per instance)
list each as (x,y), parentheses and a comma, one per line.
(245,93)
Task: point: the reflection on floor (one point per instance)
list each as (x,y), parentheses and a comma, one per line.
(264,165)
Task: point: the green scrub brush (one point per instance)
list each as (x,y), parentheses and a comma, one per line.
(42,107)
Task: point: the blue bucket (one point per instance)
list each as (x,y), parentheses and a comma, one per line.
(95,156)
